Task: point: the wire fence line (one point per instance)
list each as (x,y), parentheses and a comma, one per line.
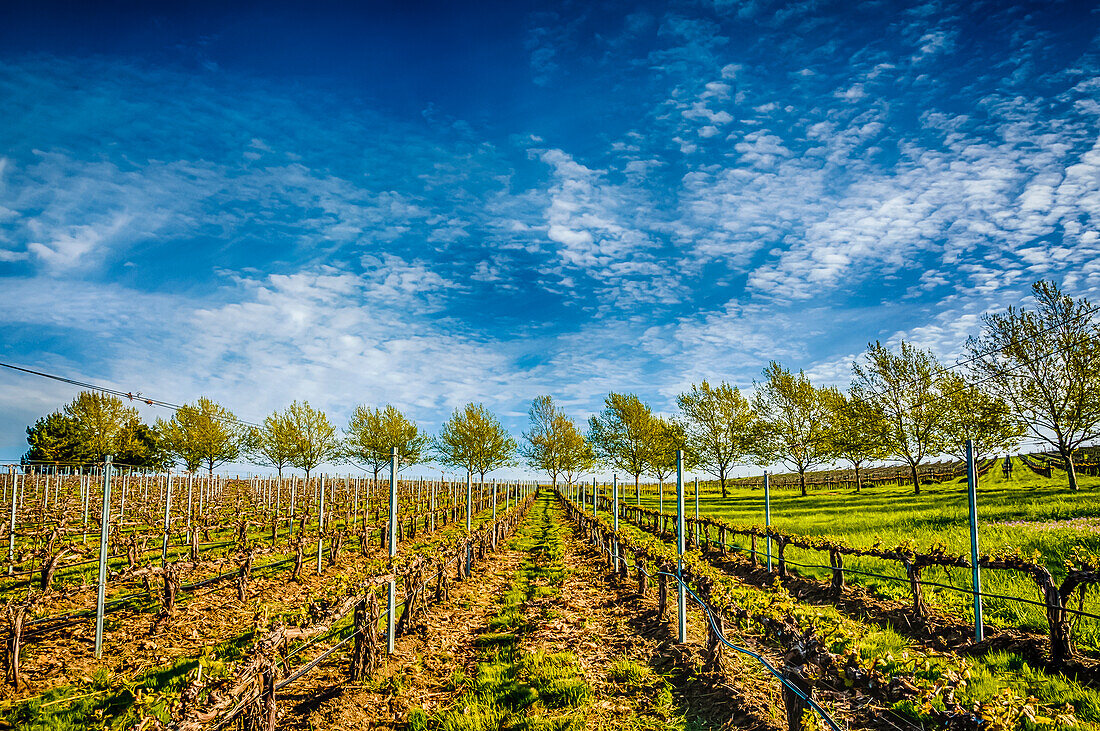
(1056,596)
(802,648)
(258,699)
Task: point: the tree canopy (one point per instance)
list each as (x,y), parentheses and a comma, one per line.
(623,434)
(203,433)
(553,444)
(794,420)
(1045,364)
(718,422)
(857,434)
(372,434)
(474,439)
(903,387)
(272,444)
(313,437)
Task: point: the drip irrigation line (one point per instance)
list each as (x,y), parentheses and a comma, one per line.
(759,658)
(756,656)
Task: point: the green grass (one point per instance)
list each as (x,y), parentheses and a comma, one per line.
(894,516)
(106,701)
(988,678)
(521,690)
(512,689)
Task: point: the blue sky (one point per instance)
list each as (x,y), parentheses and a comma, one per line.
(427,205)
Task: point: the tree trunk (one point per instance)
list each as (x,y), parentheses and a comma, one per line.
(1071,470)
(858,484)
(802,481)
(916,478)
(722,479)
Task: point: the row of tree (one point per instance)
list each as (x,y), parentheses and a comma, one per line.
(1031,372)
(207,435)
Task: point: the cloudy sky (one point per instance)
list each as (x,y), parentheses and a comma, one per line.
(426,206)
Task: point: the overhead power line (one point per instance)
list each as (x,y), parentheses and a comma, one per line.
(131,395)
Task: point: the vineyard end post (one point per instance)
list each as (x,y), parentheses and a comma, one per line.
(391,604)
(104,529)
(972,498)
(768,517)
(615,513)
(681,596)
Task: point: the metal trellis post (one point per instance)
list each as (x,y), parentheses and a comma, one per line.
(469,520)
(104,529)
(320,522)
(391,595)
(11,533)
(167,518)
(615,513)
(768,517)
(972,497)
(681,595)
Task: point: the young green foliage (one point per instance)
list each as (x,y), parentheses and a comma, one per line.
(903,387)
(313,437)
(669,437)
(553,445)
(272,444)
(973,414)
(623,435)
(203,432)
(857,431)
(795,421)
(473,438)
(100,420)
(718,422)
(1045,363)
(372,434)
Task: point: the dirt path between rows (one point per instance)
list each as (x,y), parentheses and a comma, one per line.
(420,671)
(603,620)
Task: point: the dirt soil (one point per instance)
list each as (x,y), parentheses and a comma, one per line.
(417,675)
(592,617)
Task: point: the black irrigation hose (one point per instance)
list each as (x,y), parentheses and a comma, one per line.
(756,656)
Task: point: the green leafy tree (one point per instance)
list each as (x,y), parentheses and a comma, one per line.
(669,437)
(719,426)
(857,432)
(100,421)
(903,387)
(272,444)
(623,435)
(577,456)
(473,438)
(142,446)
(794,420)
(203,433)
(372,434)
(56,438)
(1045,363)
(313,437)
(973,414)
(554,445)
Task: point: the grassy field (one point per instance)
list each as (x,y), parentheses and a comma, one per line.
(1025,512)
